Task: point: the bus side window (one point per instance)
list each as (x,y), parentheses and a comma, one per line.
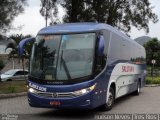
(106,35)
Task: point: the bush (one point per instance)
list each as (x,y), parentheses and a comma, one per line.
(156,80)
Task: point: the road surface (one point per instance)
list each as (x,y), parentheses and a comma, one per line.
(147,102)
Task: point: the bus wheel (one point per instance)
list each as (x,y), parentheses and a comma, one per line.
(9,80)
(138,88)
(109,103)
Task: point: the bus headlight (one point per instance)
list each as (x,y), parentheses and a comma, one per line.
(31,90)
(84,91)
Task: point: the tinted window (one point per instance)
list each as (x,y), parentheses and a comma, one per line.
(62,57)
(21,73)
(76,57)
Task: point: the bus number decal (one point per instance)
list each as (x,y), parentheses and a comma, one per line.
(127,69)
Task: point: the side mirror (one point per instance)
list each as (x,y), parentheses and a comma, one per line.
(22,44)
(100,49)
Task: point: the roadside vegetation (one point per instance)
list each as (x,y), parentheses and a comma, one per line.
(152,53)
(156,80)
(13,87)
(156,76)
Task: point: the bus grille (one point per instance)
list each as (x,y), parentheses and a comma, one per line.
(56,95)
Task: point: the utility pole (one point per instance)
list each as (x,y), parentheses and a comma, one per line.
(47,10)
(153,62)
(46,17)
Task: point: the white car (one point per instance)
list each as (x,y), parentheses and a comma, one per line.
(14,74)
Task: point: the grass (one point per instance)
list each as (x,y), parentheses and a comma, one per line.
(156,80)
(12,87)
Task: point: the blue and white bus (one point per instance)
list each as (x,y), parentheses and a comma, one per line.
(83,65)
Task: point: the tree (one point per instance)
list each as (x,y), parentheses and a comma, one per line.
(49,10)
(119,13)
(153,51)
(14,41)
(1,67)
(9,9)
(74,10)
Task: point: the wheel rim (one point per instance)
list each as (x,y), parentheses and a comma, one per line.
(110,99)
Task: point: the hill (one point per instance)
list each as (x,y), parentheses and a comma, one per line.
(142,40)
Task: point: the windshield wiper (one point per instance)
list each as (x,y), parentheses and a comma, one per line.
(65,66)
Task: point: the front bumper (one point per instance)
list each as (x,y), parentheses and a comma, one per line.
(80,102)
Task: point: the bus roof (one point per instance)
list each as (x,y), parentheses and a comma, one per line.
(82,27)
(75,28)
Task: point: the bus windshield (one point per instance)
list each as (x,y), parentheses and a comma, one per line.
(62,57)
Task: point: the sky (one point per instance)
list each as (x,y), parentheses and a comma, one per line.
(31,21)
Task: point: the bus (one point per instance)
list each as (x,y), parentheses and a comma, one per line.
(83,65)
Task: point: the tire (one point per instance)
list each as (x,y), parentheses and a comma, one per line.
(138,88)
(9,80)
(109,104)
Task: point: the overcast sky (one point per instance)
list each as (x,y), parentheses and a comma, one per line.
(32,21)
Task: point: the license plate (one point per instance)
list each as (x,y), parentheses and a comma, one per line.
(55,103)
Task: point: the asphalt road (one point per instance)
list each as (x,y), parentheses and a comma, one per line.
(147,102)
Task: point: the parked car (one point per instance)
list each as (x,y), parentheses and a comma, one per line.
(14,74)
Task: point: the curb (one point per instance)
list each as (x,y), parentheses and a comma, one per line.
(152,85)
(11,95)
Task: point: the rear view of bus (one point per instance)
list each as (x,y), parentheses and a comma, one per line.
(71,66)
